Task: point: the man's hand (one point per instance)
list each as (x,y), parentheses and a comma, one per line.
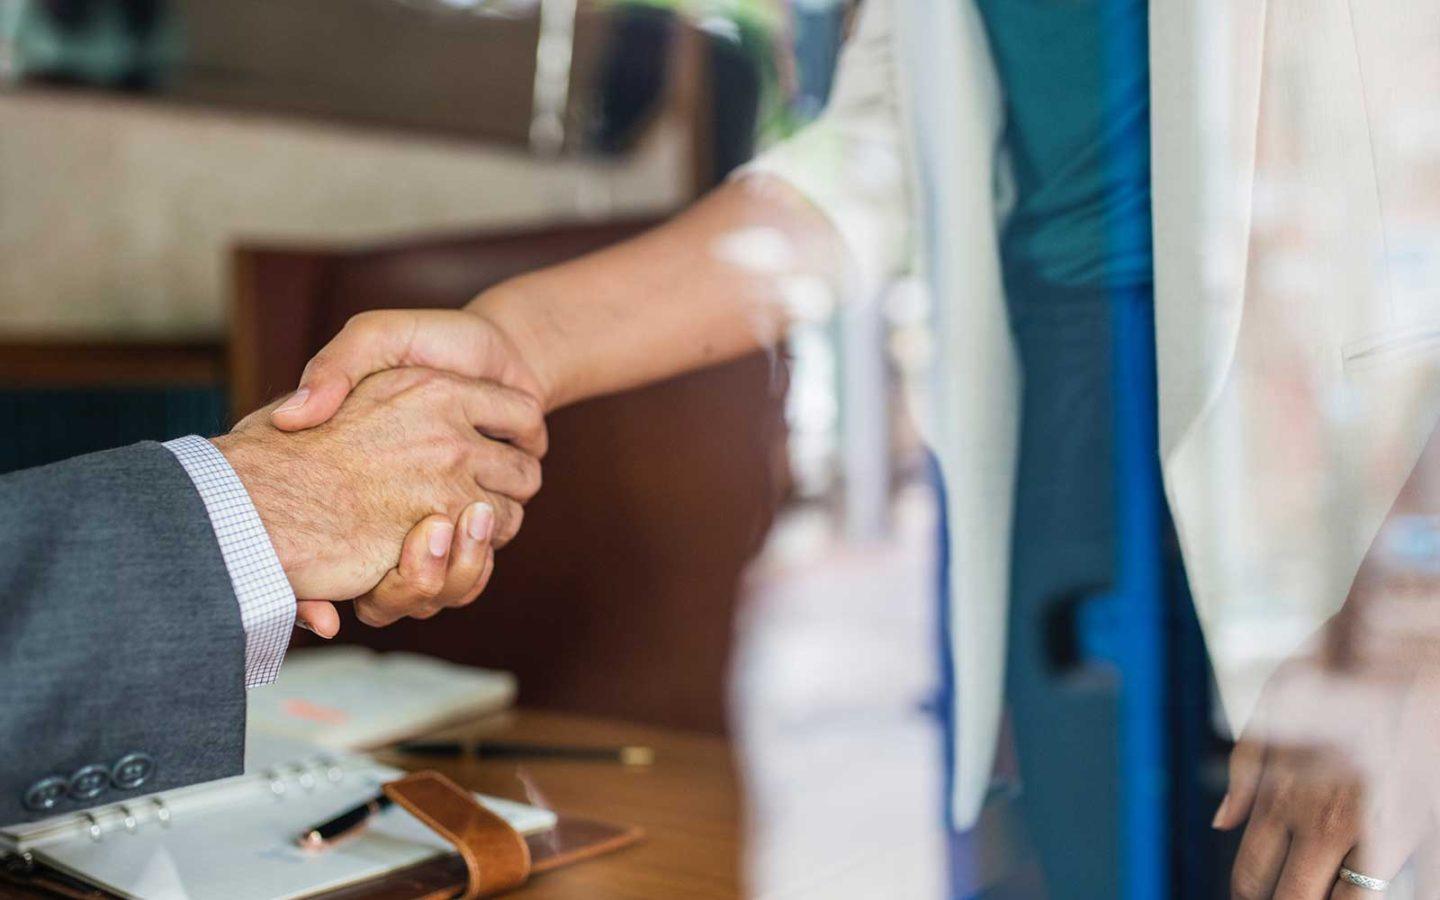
(462,342)
(411,444)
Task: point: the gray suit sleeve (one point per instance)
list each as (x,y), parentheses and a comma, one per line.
(121,648)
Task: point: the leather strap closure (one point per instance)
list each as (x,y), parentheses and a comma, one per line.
(496,855)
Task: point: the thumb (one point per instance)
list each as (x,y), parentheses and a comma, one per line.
(318,616)
(370,342)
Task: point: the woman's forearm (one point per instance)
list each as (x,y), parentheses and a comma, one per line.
(710,285)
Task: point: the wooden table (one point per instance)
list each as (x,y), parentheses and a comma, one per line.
(687,802)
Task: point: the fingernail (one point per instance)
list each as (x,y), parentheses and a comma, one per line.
(439,537)
(305,625)
(482,519)
(296,401)
(1220,813)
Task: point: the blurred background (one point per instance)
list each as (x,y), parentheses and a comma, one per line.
(196,194)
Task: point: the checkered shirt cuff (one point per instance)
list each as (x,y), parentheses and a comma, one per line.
(267,604)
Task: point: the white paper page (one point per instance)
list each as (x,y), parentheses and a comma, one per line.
(353,698)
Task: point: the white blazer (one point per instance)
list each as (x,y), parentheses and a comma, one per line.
(1297,298)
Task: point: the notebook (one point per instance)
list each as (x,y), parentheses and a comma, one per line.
(352,698)
(235,838)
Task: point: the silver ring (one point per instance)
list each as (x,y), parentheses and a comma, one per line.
(1368,882)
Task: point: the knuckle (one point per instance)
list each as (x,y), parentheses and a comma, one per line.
(424,586)
(508,517)
(1239,762)
(474,593)
(317,364)
(430,385)
(422,577)
(1268,801)
(1247,885)
(532,424)
(1277,792)
(532,476)
(363,324)
(368,614)
(456,453)
(532,412)
(1335,818)
(465,599)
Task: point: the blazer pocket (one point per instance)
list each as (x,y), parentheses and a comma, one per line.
(1392,346)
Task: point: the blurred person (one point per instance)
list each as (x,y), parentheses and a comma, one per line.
(739,42)
(146,588)
(1004,150)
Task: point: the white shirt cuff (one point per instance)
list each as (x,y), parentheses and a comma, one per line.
(267,604)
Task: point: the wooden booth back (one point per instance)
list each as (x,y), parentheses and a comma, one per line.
(618,596)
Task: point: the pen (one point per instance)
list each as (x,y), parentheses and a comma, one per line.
(348,824)
(629,756)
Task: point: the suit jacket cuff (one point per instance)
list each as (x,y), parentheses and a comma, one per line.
(267,604)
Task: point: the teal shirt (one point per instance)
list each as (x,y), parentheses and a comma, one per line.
(1077,102)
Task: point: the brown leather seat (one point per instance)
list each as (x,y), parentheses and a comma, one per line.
(618,596)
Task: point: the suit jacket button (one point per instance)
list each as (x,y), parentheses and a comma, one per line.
(45,793)
(89,782)
(133,770)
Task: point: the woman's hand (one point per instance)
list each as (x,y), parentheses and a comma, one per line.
(1338,766)
(460,342)
(441,566)
(1327,776)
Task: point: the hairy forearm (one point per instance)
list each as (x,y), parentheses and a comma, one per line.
(714,283)
(282,482)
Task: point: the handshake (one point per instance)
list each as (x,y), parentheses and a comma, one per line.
(396,492)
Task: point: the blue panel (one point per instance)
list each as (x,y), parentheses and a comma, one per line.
(39,427)
(1140,638)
